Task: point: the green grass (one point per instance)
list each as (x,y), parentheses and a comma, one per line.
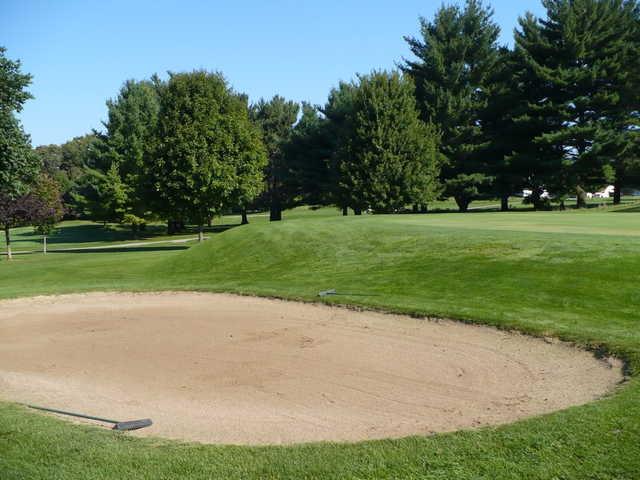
(571,274)
(83,233)
(80,233)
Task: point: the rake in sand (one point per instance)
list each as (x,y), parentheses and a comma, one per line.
(333,292)
(129,425)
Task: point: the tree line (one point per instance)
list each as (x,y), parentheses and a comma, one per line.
(462,117)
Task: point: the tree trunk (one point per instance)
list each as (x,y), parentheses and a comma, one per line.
(504,203)
(200,233)
(345,211)
(275,212)
(416,208)
(245,219)
(44,244)
(7,237)
(357,211)
(463,204)
(617,192)
(535,200)
(174,226)
(581,197)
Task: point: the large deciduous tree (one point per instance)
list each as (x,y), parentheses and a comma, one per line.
(50,209)
(387,156)
(275,118)
(13,84)
(41,207)
(206,146)
(18,165)
(19,211)
(456,54)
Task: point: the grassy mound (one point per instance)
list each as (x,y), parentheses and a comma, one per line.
(572,274)
(576,280)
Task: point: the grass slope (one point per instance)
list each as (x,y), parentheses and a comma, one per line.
(571,274)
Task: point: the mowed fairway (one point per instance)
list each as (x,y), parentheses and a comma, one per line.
(572,275)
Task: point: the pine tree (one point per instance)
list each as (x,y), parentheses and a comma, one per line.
(275,119)
(308,158)
(499,130)
(102,196)
(335,135)
(578,76)
(456,54)
(130,129)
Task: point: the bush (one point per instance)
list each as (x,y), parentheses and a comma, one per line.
(134,222)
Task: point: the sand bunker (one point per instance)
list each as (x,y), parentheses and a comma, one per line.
(243,370)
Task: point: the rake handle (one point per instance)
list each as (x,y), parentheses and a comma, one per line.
(71,414)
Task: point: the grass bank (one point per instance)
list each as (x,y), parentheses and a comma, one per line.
(567,274)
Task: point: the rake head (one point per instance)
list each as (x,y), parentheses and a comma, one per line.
(133,424)
(326,293)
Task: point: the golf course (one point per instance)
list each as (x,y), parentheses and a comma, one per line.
(338,240)
(563,275)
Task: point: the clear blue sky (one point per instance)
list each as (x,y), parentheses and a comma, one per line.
(80,51)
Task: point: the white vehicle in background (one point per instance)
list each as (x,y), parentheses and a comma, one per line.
(605,193)
(527,193)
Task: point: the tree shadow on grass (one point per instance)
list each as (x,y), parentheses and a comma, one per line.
(216,228)
(94,233)
(153,248)
(89,233)
(628,210)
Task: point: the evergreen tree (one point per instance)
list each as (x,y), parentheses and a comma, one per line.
(276,118)
(130,130)
(578,73)
(335,136)
(102,196)
(539,164)
(308,155)
(455,56)
(500,132)
(618,135)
